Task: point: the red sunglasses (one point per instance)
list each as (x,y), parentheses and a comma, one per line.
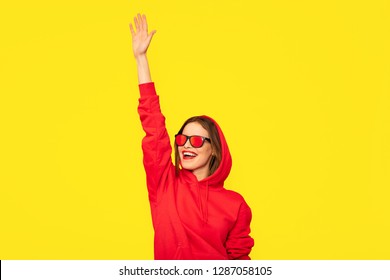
(196,141)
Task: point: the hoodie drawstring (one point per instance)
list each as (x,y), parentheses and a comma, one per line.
(204,212)
(207,202)
(199,200)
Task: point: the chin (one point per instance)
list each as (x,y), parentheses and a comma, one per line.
(187,166)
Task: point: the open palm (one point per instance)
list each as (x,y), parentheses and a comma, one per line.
(141,37)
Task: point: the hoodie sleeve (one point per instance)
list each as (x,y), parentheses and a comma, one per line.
(239,244)
(156,144)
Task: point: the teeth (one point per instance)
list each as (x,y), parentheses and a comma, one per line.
(189,154)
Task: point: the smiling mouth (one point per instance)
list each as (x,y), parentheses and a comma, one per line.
(189,155)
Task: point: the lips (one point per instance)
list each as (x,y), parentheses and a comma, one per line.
(188,155)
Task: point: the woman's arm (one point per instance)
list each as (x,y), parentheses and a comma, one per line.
(239,244)
(141,41)
(156,145)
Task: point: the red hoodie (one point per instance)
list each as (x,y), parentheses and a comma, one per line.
(192,219)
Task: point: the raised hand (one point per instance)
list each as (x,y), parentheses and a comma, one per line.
(141,37)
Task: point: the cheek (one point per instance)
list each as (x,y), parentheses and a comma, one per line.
(205,155)
(179,150)
(207,151)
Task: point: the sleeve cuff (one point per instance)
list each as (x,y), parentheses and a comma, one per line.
(147,89)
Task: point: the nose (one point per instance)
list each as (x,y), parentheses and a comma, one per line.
(187,144)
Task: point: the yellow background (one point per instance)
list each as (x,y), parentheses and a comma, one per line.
(300,88)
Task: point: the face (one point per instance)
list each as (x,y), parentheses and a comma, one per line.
(196,159)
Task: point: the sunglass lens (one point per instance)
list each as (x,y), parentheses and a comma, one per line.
(180,139)
(196,141)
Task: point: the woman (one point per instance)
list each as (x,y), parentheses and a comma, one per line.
(194,217)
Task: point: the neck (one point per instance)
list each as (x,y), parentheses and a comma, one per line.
(201,174)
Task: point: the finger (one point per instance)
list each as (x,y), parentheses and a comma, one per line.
(136,24)
(132,30)
(145,23)
(140,22)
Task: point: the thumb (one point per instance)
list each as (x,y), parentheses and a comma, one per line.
(150,36)
(152,33)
